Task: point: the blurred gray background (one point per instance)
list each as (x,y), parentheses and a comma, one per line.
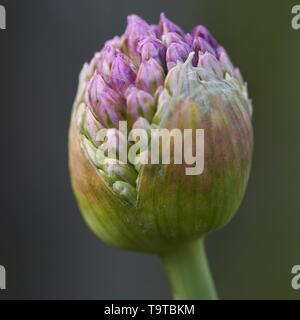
(45,246)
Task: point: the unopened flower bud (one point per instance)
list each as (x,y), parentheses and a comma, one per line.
(167,25)
(157,78)
(136,31)
(91,126)
(150,76)
(202,32)
(209,65)
(120,172)
(177,52)
(126,191)
(172,37)
(200,44)
(122,74)
(107,105)
(152,48)
(140,104)
(225,62)
(104,65)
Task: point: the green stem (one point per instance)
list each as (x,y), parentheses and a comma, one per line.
(188,272)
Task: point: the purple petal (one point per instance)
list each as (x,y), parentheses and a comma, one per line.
(150,76)
(137,30)
(203,46)
(108,55)
(177,52)
(172,37)
(209,62)
(155,29)
(122,74)
(152,48)
(105,103)
(189,39)
(167,25)
(225,61)
(140,104)
(202,32)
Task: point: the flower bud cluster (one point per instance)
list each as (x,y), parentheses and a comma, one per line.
(133,79)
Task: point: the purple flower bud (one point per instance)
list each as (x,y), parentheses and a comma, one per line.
(157,77)
(122,74)
(209,62)
(108,55)
(177,52)
(200,44)
(202,32)
(225,61)
(105,103)
(150,76)
(167,25)
(140,104)
(172,37)
(137,30)
(189,39)
(155,29)
(152,48)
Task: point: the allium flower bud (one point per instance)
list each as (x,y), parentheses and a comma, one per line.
(209,65)
(166,25)
(202,32)
(177,52)
(151,76)
(122,74)
(156,77)
(152,48)
(91,126)
(104,63)
(200,44)
(172,37)
(136,31)
(140,104)
(104,102)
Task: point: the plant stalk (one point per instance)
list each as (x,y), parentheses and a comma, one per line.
(188,272)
